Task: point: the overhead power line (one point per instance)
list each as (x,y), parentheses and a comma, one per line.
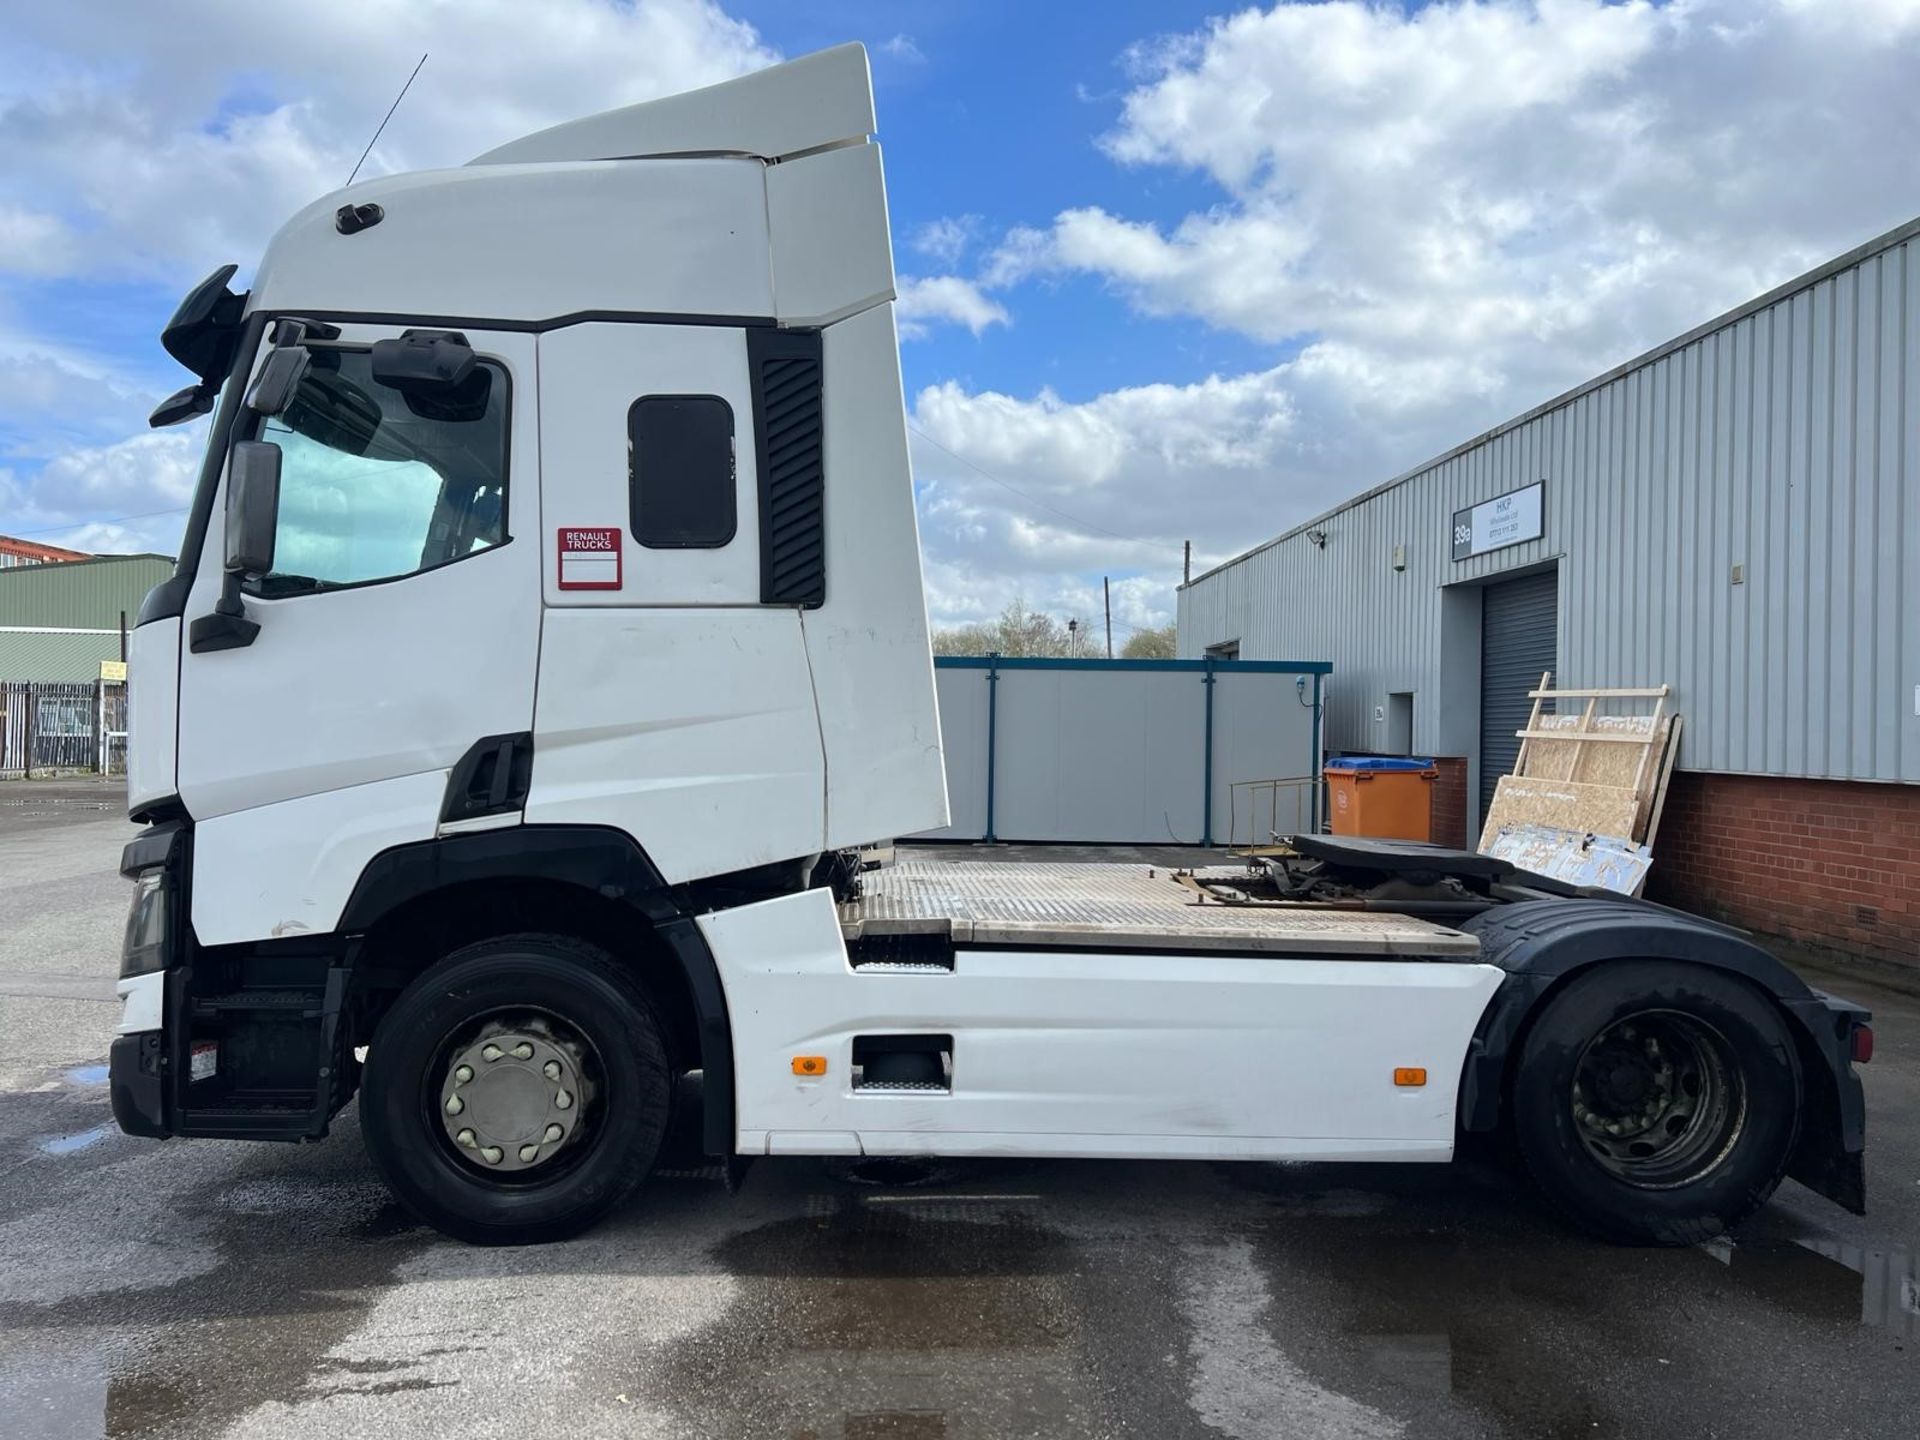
(106,520)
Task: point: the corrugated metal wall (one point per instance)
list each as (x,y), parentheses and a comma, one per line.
(80,593)
(1784,439)
(66,655)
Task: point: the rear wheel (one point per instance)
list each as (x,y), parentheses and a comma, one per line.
(517,1091)
(1657,1102)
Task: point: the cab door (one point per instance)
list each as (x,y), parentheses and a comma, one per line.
(673,702)
(399,623)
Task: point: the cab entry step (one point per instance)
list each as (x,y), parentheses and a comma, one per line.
(1122,907)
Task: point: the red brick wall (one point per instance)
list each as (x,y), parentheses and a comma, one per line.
(1447,802)
(1829,865)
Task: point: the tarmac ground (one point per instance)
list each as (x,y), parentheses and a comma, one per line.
(202,1288)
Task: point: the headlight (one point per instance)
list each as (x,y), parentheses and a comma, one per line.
(145,948)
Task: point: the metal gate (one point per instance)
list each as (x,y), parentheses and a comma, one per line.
(62,726)
(1519,621)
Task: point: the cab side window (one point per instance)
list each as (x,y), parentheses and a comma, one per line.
(681,472)
(375,487)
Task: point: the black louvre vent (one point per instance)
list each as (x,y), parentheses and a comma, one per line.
(788,432)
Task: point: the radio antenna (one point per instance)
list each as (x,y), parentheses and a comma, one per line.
(383,124)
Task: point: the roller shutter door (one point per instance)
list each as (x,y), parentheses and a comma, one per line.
(1518,623)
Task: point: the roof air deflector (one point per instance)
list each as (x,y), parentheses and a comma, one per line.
(816,102)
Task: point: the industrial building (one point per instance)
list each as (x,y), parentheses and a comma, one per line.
(1735,514)
(63,622)
(59,620)
(16,552)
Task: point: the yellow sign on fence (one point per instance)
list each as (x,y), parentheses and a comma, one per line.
(113,670)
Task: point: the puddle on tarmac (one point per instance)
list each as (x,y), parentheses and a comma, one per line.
(72,1144)
(1418,1362)
(896,1425)
(1831,1280)
(78,1397)
(87,1075)
(896,1315)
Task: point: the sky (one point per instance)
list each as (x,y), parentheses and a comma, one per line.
(1168,271)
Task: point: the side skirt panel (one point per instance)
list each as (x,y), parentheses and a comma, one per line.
(1075,1053)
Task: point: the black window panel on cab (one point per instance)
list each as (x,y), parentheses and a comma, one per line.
(680,472)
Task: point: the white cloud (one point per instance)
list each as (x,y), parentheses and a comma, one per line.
(947,238)
(31,242)
(1438,217)
(1040,497)
(52,398)
(131,495)
(157,467)
(903,49)
(933,299)
(1559,183)
(137,147)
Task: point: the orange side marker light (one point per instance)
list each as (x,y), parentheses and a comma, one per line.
(1409,1076)
(809,1064)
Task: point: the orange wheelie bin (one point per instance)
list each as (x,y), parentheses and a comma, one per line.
(1383,796)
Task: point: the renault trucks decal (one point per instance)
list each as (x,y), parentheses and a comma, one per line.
(590,557)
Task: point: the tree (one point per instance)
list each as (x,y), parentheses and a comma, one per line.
(1016,631)
(1150,644)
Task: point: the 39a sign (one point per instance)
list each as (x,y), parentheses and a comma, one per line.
(1510,519)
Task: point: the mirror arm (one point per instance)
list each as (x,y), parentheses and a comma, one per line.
(226,626)
(297,330)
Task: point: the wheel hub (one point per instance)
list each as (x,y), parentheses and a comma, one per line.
(511,1100)
(1628,1085)
(1657,1100)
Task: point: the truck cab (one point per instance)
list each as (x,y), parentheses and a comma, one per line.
(548,618)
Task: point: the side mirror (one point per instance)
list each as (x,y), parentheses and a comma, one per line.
(253,506)
(181,405)
(274,387)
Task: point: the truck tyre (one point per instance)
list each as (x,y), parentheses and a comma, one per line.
(517,1091)
(1657,1103)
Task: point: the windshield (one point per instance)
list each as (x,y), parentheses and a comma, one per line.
(376,483)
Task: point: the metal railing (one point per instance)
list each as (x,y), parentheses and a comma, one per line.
(1256,808)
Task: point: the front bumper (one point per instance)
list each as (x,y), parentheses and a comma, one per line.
(134,1085)
(137,1073)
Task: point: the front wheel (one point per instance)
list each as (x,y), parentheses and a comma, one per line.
(517,1091)
(1657,1103)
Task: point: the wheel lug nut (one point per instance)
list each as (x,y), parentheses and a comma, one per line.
(491,1053)
(467,1138)
(529,1154)
(563,1101)
(523,1051)
(462,1074)
(493,1154)
(553,1133)
(455,1105)
(551,1069)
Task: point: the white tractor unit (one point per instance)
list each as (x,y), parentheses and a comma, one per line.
(549,623)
